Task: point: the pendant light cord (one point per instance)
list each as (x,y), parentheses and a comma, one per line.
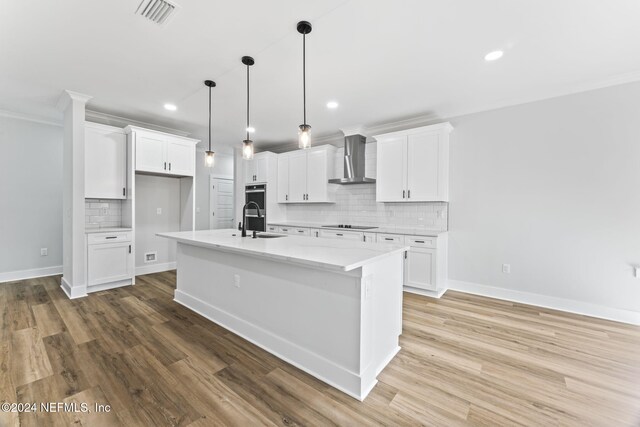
(304,77)
(247,102)
(209,118)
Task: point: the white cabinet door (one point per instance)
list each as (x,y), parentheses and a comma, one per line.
(420,268)
(369,237)
(391,181)
(105,174)
(423,168)
(151,153)
(109,263)
(262,169)
(317,180)
(180,158)
(297,177)
(283,179)
(249,171)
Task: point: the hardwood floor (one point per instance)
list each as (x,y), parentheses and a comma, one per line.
(465,360)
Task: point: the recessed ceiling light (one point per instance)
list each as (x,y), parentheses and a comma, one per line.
(492,56)
(332,104)
(170,107)
(251,129)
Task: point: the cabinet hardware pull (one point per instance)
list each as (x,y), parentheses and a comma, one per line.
(129,248)
(419,241)
(408,192)
(165,165)
(286,197)
(300,231)
(403,194)
(405,254)
(123,191)
(339,234)
(169,165)
(388,238)
(111,237)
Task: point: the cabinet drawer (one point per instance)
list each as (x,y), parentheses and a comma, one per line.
(422,241)
(273,228)
(345,235)
(395,239)
(99,238)
(300,231)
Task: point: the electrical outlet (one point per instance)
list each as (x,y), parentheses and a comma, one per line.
(44,252)
(159,211)
(105,211)
(236,280)
(506,268)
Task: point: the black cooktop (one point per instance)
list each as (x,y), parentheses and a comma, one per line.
(354,227)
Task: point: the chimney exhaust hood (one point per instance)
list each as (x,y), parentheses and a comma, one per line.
(354,165)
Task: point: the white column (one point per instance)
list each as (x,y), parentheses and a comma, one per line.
(74,281)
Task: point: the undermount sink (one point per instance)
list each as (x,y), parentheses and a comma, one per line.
(270,236)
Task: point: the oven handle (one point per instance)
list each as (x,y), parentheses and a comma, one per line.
(254,191)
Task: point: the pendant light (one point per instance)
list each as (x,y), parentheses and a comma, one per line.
(209,155)
(304,130)
(247,144)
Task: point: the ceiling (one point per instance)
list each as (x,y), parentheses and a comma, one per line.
(382,60)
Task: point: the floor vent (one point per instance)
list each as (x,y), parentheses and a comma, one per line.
(158,11)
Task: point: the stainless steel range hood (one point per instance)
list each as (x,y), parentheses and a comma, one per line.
(354,146)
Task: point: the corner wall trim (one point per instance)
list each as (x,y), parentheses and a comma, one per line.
(561,304)
(155,268)
(11,276)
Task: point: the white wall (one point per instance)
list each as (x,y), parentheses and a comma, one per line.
(153,192)
(552,188)
(30,195)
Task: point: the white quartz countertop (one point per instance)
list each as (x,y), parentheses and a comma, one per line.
(332,254)
(413,231)
(106,230)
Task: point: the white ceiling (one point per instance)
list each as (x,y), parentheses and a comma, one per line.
(382,60)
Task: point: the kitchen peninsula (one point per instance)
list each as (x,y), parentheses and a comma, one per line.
(332,308)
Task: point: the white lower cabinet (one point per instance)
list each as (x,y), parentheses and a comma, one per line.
(344,235)
(295,231)
(109,259)
(426,265)
(369,237)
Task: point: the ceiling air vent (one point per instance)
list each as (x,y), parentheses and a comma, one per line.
(158,11)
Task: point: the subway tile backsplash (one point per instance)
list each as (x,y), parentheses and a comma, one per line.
(356,205)
(101,213)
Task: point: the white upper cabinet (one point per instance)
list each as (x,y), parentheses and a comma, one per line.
(303,175)
(283,179)
(256,170)
(105,162)
(391,179)
(162,153)
(413,165)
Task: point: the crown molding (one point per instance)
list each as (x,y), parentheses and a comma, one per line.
(68,95)
(30,118)
(123,122)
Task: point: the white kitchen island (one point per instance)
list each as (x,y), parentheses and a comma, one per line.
(332,308)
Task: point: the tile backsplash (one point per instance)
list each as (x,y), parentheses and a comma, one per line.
(356,204)
(100,213)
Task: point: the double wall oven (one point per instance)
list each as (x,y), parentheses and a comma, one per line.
(257,194)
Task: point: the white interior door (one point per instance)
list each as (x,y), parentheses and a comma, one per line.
(220,203)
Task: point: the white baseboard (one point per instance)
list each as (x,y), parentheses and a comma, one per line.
(73,292)
(11,276)
(562,304)
(155,268)
(424,292)
(107,286)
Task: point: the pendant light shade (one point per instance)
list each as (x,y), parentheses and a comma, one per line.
(209,156)
(304,130)
(247,144)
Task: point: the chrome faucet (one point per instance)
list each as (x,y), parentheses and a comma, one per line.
(244,216)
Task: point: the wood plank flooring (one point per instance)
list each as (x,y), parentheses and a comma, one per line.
(465,361)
